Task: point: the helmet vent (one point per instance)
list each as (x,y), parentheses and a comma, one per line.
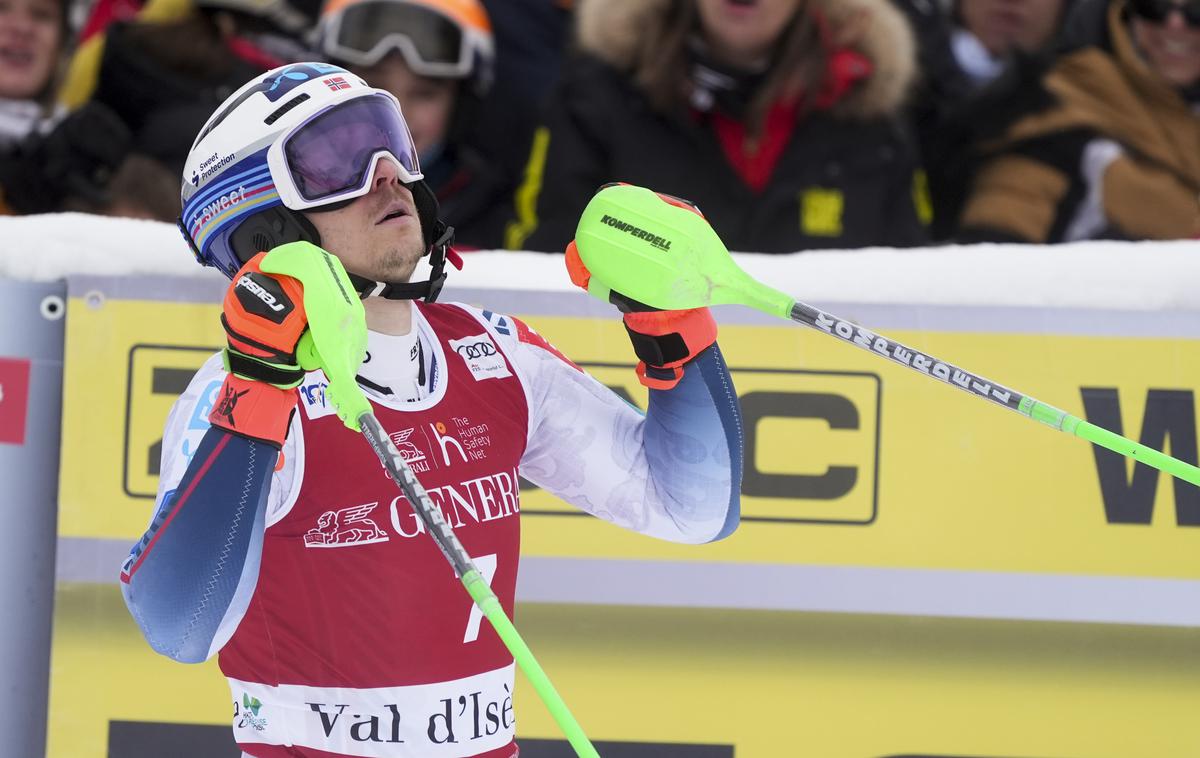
(281,110)
(263,242)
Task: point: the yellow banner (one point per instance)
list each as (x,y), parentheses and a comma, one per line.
(723,684)
(850,460)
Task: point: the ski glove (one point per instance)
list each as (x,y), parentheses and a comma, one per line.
(662,340)
(264,319)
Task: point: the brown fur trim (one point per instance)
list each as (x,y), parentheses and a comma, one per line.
(881,33)
(613,30)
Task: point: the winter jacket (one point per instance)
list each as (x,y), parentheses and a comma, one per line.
(942,86)
(1105,149)
(471,192)
(70,159)
(844,176)
(531,38)
(165,103)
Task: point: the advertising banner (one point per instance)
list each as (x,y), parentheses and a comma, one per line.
(30,388)
(908,579)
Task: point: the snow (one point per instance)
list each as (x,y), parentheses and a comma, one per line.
(1108,275)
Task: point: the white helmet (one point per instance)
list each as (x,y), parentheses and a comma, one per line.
(300,137)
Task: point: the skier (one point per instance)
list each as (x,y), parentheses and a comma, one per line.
(279,541)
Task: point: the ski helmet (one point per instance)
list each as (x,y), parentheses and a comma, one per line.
(445,39)
(301,137)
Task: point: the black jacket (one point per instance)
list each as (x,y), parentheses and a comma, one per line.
(164,103)
(842,180)
(472,194)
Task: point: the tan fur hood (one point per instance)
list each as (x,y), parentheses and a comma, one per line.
(612,29)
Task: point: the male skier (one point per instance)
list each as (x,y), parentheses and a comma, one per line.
(279,541)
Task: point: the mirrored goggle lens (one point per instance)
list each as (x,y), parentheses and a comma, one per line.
(1157,11)
(369,30)
(331,154)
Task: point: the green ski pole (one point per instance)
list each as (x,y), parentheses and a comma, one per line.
(666,256)
(336,343)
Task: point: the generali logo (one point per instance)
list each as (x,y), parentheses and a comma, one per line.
(409,451)
(345,528)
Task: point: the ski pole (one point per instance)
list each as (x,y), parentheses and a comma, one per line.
(656,252)
(335,342)
(473,581)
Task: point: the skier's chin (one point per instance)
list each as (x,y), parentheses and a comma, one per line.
(396,266)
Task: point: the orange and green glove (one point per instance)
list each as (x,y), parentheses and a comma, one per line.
(264,319)
(663,340)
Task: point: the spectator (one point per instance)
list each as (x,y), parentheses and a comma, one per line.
(48,161)
(986,32)
(79,82)
(1107,144)
(531,42)
(163,79)
(778,117)
(144,87)
(436,57)
(961,52)
(32,36)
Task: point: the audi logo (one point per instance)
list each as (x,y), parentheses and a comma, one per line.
(476,350)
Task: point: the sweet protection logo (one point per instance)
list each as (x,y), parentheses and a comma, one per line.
(14,399)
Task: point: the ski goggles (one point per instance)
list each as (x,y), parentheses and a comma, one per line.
(331,156)
(1158,11)
(362,33)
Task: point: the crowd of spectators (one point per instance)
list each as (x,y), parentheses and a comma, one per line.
(794,124)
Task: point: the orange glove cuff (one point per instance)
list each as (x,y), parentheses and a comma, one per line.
(666,340)
(254,409)
(578,272)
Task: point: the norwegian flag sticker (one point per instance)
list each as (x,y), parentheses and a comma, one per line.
(336,83)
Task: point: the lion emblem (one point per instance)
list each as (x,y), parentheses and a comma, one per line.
(349,526)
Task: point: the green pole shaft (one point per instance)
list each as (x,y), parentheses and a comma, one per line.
(986,389)
(1140,453)
(490,605)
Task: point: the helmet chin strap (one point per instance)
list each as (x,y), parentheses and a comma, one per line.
(427,290)
(438,238)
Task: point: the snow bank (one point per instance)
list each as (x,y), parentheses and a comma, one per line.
(1109,275)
